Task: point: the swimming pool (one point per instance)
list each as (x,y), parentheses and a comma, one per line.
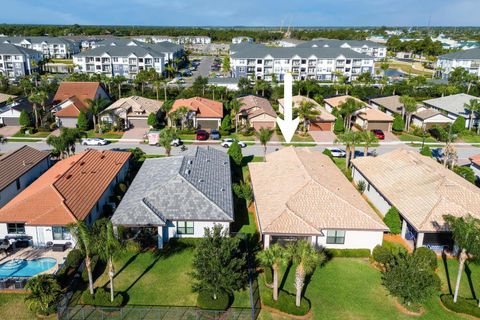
(25,268)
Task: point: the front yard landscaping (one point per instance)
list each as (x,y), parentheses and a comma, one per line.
(105,135)
(411,137)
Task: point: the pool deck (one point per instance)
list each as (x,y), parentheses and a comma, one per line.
(36,253)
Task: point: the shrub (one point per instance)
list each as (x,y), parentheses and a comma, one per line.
(361,185)
(458,125)
(93,264)
(235,153)
(466,173)
(152,119)
(82,121)
(338,127)
(101,298)
(268,275)
(132,246)
(426,151)
(382,254)
(286,303)
(205,301)
(398,123)
(25,120)
(328,153)
(121,189)
(463,305)
(226,124)
(74,259)
(350,253)
(426,256)
(392,220)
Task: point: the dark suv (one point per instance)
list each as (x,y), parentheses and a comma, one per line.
(215,134)
(201,135)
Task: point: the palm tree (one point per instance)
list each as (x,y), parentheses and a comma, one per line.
(170,70)
(235,106)
(157,84)
(274,257)
(119,80)
(348,139)
(368,139)
(107,246)
(472,106)
(261,85)
(96,106)
(466,234)
(264,135)
(44,292)
(409,107)
(310,85)
(307,258)
(36,100)
(306,112)
(165,138)
(85,239)
(348,108)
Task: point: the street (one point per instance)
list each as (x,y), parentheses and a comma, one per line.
(203,70)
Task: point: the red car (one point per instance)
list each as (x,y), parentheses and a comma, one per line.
(201,135)
(379,134)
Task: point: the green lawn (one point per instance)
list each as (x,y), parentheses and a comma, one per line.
(350,288)
(187,136)
(35,135)
(297,138)
(105,135)
(470,282)
(411,137)
(12,306)
(470,138)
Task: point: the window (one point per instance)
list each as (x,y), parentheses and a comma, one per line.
(61,233)
(185,227)
(16,228)
(115,59)
(18,183)
(335,236)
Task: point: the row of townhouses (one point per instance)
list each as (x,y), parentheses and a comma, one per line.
(320,63)
(126,57)
(177,40)
(50,47)
(466,59)
(17,61)
(369,48)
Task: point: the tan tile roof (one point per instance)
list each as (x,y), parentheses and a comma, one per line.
(300,191)
(254,106)
(420,188)
(371,114)
(136,106)
(4,97)
(16,163)
(391,103)
(205,108)
(324,114)
(337,101)
(73,108)
(475,159)
(68,191)
(426,113)
(83,90)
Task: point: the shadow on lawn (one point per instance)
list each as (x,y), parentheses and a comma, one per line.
(447,274)
(468,271)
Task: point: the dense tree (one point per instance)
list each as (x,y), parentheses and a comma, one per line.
(24,120)
(44,293)
(348,108)
(398,123)
(95,107)
(243,191)
(226,124)
(392,220)
(466,173)
(264,135)
(409,107)
(274,257)
(426,151)
(82,121)
(306,113)
(368,140)
(235,153)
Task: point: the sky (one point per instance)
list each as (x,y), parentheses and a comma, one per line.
(243,12)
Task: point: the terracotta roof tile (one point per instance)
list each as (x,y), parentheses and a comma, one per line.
(337,101)
(370,114)
(83,90)
(72,110)
(205,108)
(475,159)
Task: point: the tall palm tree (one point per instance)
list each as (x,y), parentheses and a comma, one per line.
(307,258)
(85,241)
(307,112)
(368,139)
(165,138)
(36,100)
(264,135)
(235,106)
(348,139)
(348,108)
(473,106)
(409,107)
(466,234)
(95,107)
(170,71)
(274,257)
(310,85)
(107,247)
(119,80)
(157,84)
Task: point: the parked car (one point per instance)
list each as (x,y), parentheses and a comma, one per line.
(226,143)
(94,141)
(337,152)
(201,135)
(215,134)
(176,142)
(379,134)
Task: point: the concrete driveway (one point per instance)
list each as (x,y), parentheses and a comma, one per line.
(9,131)
(389,136)
(136,132)
(323,136)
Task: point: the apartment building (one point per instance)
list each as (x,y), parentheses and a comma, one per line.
(169,49)
(50,47)
(466,59)
(119,60)
(370,48)
(17,61)
(193,40)
(319,63)
(241,39)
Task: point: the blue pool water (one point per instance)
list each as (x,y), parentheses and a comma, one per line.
(25,268)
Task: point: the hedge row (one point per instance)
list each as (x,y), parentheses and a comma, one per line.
(463,305)
(286,303)
(348,253)
(101,298)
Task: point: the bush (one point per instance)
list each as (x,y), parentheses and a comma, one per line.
(426,151)
(286,303)
(463,305)
(392,220)
(361,185)
(328,153)
(74,259)
(24,120)
(348,253)
(398,123)
(338,127)
(226,124)
(132,246)
(101,298)
(205,301)
(82,121)
(121,189)
(93,264)
(458,125)
(268,275)
(466,173)
(427,257)
(382,254)
(235,153)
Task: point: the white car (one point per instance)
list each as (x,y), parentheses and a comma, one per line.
(94,141)
(226,143)
(176,142)
(337,152)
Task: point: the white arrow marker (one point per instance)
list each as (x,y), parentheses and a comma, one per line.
(287,125)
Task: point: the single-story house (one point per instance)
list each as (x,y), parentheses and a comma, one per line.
(179,196)
(453,106)
(422,191)
(10,112)
(256,111)
(204,113)
(325,121)
(336,102)
(373,119)
(133,110)
(475,165)
(18,169)
(427,118)
(71,98)
(301,194)
(76,188)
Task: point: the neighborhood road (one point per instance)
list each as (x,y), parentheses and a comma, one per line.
(203,70)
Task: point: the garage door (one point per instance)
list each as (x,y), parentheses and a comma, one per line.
(257,125)
(207,124)
(385,126)
(9,121)
(320,126)
(138,123)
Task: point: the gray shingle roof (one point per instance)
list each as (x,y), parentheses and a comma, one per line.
(191,187)
(120,51)
(335,43)
(164,46)
(39,39)
(462,55)
(7,48)
(454,103)
(255,51)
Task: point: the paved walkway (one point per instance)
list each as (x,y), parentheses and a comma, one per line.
(323,136)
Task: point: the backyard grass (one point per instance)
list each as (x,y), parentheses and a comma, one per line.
(12,306)
(105,135)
